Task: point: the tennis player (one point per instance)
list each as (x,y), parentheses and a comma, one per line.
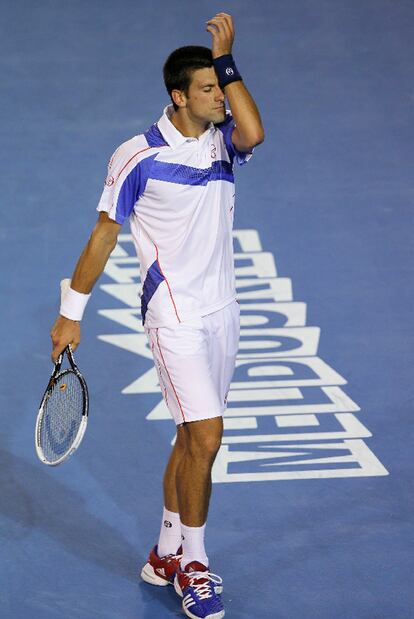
(175,184)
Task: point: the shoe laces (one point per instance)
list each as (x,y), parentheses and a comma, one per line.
(203,589)
(172,557)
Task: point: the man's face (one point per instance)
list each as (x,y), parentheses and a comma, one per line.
(205,99)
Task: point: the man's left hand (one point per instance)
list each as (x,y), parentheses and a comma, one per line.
(222,30)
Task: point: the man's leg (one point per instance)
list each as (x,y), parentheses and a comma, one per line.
(187,485)
(163,560)
(202,442)
(170,475)
(170,532)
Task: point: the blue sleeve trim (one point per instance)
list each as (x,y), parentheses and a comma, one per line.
(132,188)
(154,136)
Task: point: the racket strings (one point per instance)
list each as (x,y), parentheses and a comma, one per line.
(62,416)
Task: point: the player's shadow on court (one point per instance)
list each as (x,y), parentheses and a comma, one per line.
(34,499)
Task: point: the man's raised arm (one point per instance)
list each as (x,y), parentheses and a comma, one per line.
(248,132)
(88,269)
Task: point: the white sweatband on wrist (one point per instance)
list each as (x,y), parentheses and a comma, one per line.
(73,304)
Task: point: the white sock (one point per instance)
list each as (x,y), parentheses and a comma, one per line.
(193,545)
(170,533)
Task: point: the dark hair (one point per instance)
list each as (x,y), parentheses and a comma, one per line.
(181,64)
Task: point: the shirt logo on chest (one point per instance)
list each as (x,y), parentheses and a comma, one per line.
(213,151)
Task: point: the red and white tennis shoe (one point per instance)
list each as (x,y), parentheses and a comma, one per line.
(161,570)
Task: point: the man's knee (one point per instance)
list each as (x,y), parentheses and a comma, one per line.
(204,437)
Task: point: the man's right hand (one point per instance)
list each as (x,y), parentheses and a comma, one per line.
(63,333)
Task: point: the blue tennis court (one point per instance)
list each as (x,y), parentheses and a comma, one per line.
(311,513)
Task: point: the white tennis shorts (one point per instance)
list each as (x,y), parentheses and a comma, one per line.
(195,362)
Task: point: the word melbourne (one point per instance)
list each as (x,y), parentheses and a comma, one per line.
(287,415)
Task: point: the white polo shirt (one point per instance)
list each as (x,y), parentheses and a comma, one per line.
(178,193)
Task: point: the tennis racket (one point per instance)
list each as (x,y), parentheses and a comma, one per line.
(63,414)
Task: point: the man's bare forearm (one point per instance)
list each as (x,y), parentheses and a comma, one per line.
(90,266)
(95,256)
(249,129)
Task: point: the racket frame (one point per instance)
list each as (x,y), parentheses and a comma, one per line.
(56,374)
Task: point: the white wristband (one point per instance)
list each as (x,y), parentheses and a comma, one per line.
(73,304)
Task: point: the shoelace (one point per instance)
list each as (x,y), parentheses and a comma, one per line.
(172,557)
(203,589)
